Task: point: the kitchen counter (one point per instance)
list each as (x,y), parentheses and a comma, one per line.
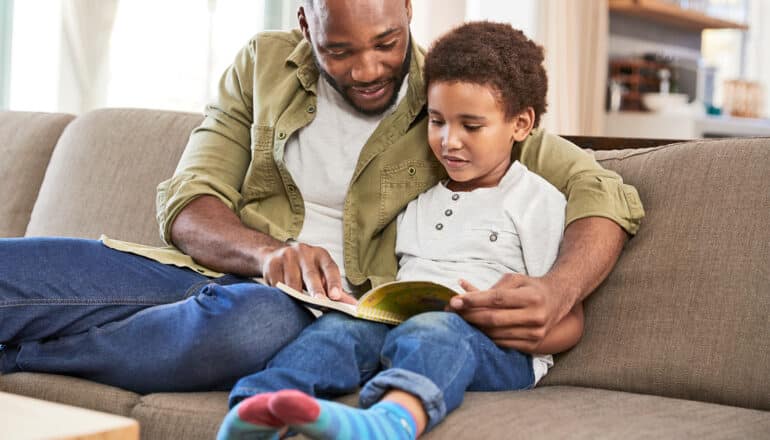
(681,125)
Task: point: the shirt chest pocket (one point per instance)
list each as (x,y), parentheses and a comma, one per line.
(262,179)
(401,183)
(493,242)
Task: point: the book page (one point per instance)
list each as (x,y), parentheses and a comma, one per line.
(318,301)
(397,301)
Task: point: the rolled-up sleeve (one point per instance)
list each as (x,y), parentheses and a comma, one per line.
(591,190)
(218,152)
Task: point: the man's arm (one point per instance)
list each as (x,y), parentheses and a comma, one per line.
(565,334)
(197,206)
(214,236)
(519,311)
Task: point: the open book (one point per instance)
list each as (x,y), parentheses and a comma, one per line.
(391,303)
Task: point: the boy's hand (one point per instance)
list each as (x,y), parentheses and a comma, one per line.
(517,312)
(295,264)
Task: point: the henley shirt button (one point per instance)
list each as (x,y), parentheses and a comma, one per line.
(281,135)
(455,197)
(493,236)
(448,212)
(412,171)
(311,109)
(439,226)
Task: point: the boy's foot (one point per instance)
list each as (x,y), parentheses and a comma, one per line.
(325,420)
(250,420)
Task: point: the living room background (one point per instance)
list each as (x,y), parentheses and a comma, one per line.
(78,55)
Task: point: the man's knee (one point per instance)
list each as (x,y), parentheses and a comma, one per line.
(255,311)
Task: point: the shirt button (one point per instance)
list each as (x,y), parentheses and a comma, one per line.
(412,171)
(291,188)
(448,212)
(311,109)
(493,237)
(439,226)
(455,197)
(281,135)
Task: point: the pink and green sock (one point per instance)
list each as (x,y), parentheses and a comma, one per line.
(250,420)
(316,418)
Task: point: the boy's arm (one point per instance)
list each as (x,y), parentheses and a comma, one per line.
(564,335)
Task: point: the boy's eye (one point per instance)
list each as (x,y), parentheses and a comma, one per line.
(435,121)
(472,127)
(338,55)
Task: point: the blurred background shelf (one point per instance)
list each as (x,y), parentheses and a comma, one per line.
(672,14)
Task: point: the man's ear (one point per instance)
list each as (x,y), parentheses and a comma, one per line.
(523,123)
(409,10)
(303,26)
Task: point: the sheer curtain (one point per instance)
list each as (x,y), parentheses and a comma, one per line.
(84,72)
(574,34)
(78,55)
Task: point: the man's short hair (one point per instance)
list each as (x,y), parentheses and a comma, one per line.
(496,55)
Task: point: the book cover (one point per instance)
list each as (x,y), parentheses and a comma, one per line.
(391,303)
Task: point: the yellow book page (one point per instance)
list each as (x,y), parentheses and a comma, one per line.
(397,301)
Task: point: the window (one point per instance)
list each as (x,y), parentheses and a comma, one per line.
(74,56)
(6,22)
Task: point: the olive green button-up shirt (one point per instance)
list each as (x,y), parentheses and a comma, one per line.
(268,94)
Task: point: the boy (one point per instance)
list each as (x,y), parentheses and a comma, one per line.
(491,218)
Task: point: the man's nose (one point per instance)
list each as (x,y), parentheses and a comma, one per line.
(367,68)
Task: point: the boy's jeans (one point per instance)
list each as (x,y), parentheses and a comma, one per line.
(435,356)
(77,307)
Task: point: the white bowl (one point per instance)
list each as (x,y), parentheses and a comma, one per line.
(665,102)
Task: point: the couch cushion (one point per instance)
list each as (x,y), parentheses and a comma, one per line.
(70,391)
(28,140)
(583,413)
(103,174)
(685,312)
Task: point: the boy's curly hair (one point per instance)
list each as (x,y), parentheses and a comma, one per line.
(496,55)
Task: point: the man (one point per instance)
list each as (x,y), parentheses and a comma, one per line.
(316,142)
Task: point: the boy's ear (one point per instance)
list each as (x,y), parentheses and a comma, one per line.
(523,123)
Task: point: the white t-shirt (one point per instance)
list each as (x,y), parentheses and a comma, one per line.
(483,234)
(322,158)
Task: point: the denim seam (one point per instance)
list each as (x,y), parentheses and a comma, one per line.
(77,302)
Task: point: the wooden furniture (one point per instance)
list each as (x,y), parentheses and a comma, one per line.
(637,76)
(669,13)
(616,143)
(23,418)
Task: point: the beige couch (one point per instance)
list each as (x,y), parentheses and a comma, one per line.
(677,340)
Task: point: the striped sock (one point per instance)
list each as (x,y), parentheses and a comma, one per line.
(250,420)
(325,420)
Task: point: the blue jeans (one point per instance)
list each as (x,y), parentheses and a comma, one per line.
(77,307)
(434,356)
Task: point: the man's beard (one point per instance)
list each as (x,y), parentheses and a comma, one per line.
(397,82)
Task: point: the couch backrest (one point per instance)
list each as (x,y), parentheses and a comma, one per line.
(28,139)
(104,171)
(686,312)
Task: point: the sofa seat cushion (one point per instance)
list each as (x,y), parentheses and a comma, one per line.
(585,413)
(70,391)
(545,412)
(28,139)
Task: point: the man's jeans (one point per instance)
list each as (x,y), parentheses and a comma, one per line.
(435,356)
(79,308)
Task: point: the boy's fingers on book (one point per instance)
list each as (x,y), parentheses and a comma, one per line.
(331,273)
(467,286)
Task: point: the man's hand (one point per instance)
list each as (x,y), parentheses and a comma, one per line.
(297,263)
(517,312)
